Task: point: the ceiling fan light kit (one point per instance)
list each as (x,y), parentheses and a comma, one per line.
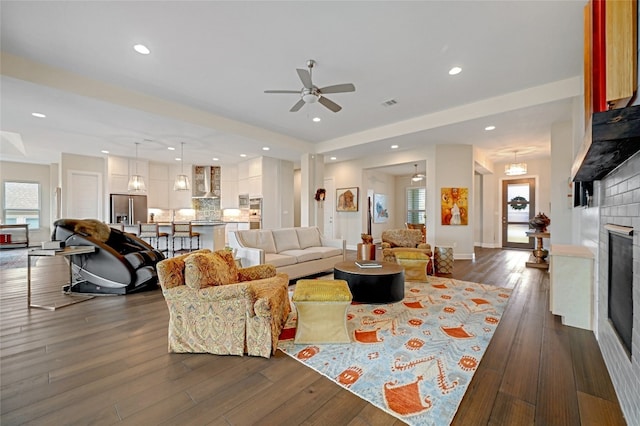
(417,177)
(311,93)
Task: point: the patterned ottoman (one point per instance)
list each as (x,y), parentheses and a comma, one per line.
(322,311)
(444,260)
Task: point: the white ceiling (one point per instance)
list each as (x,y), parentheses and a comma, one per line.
(210,62)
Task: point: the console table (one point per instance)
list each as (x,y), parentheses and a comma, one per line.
(538,258)
(66,252)
(14,235)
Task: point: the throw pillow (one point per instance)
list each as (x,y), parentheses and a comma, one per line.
(209,269)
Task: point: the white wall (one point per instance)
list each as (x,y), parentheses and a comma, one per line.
(73,162)
(39,173)
(455,169)
(561,209)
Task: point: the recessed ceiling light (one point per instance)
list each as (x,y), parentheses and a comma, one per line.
(455,70)
(38,114)
(333,158)
(170,148)
(316,119)
(490,127)
(265,148)
(215,159)
(104,151)
(394,146)
(141,49)
(178,159)
(243,155)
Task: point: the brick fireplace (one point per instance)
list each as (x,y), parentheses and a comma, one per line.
(619,203)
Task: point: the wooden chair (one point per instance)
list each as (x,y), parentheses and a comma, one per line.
(182,231)
(151,231)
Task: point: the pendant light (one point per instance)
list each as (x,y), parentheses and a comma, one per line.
(182,181)
(515,168)
(136,182)
(417,177)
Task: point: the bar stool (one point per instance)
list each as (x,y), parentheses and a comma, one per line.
(119,226)
(182,231)
(151,231)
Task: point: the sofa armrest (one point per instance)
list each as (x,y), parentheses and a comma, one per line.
(256,272)
(333,242)
(269,293)
(250,256)
(385,245)
(424,246)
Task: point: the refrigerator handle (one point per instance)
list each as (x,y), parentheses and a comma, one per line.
(131,211)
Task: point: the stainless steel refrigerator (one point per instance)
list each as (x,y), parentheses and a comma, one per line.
(128,209)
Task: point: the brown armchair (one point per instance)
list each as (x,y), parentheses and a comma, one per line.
(403,240)
(215,307)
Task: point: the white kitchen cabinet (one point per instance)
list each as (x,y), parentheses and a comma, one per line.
(571,285)
(255,186)
(158,186)
(120,169)
(229,188)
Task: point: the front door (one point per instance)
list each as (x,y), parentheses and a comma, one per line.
(518,207)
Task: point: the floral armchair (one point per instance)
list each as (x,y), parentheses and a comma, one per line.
(406,240)
(216,307)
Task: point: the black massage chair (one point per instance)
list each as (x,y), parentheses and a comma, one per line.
(121,264)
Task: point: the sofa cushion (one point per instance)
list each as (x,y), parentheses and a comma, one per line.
(308,237)
(325,252)
(303,255)
(286,239)
(279,260)
(203,270)
(260,239)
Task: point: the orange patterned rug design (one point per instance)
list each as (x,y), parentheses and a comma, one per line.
(414,358)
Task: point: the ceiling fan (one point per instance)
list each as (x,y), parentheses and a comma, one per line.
(310,93)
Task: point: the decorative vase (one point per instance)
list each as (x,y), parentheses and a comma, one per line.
(540,222)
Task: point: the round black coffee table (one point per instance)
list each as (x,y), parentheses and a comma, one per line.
(372,285)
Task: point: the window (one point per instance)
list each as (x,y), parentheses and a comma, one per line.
(22,203)
(416,205)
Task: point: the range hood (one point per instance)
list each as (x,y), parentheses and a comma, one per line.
(614,137)
(209,192)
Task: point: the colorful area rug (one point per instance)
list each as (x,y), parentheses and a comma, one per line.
(413,359)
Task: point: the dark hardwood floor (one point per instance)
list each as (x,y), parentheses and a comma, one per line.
(105,361)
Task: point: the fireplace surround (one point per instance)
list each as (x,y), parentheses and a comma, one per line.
(620,283)
(617,202)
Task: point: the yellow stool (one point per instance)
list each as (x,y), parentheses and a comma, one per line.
(322,311)
(416,265)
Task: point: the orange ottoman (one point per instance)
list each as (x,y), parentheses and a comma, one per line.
(322,311)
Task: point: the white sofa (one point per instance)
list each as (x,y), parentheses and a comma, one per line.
(298,252)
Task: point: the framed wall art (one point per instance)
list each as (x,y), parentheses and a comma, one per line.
(380,210)
(347,199)
(454,206)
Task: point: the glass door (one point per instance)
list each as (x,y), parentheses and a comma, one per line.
(518,207)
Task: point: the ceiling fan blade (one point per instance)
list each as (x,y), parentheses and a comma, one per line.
(338,88)
(329,104)
(305,78)
(282,91)
(297,106)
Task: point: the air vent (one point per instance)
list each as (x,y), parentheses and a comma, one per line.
(389,103)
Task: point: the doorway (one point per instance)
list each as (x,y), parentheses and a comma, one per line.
(518,207)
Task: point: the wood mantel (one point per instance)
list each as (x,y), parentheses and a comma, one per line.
(613,139)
